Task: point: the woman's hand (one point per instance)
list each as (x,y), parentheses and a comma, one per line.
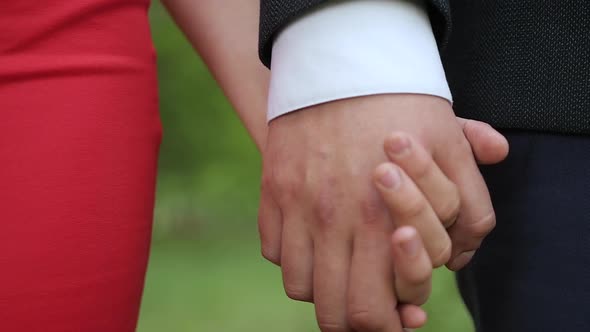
(412,274)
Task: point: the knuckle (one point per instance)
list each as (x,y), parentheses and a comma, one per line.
(461,143)
(266,182)
(483,226)
(330,324)
(270,254)
(419,279)
(413,207)
(420,299)
(298,292)
(460,149)
(442,256)
(461,260)
(269,250)
(372,211)
(364,320)
(284,185)
(324,210)
(423,167)
(449,211)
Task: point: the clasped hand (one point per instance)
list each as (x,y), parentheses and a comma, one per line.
(357,225)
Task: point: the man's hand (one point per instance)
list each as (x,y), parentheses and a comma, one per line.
(323,221)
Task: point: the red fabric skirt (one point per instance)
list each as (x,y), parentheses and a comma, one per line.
(79,138)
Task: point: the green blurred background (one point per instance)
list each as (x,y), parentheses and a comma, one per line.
(205,272)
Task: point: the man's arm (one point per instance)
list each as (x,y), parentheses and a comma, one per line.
(319,157)
(277,14)
(355,48)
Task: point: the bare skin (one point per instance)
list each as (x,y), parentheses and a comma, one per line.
(319,204)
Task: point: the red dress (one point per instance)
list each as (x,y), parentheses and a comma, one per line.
(79,137)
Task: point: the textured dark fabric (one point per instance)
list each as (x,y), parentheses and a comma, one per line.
(532,272)
(276,14)
(521,64)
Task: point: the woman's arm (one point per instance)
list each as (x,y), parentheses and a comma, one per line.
(225,34)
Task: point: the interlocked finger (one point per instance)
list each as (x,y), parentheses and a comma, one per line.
(408,207)
(413,158)
(413,269)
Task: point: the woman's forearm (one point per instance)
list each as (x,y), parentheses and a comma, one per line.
(225,33)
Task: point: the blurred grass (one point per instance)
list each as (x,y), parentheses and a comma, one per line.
(205,272)
(224,285)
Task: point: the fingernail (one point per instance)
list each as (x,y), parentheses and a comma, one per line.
(390,178)
(398,144)
(410,245)
(461,260)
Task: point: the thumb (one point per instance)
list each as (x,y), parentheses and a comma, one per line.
(488,145)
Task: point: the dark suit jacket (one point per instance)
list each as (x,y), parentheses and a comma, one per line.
(522,64)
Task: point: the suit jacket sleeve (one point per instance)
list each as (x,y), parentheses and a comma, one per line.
(275,14)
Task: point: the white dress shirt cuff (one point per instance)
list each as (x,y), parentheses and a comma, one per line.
(355,48)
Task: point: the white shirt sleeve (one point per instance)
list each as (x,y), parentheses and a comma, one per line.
(355,48)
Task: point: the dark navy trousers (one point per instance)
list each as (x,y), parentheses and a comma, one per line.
(532,272)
